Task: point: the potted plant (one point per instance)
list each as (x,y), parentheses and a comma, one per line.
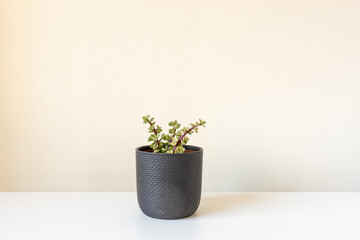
(169,172)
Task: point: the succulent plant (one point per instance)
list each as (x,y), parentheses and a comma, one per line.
(174,141)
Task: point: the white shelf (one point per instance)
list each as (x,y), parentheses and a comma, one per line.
(104,216)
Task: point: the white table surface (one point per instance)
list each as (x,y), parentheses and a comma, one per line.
(220,216)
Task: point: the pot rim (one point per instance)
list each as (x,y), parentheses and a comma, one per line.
(200,149)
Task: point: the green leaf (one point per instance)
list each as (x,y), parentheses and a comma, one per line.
(171,124)
(152,137)
(181,149)
(158,129)
(174,141)
(202,123)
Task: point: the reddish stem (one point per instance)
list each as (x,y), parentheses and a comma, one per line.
(157,140)
(182,136)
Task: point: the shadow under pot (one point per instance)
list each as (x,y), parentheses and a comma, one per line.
(169,185)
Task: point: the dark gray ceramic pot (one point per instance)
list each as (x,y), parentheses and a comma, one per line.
(169,185)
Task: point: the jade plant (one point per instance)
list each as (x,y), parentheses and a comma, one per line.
(174,141)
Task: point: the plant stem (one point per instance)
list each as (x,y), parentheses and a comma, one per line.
(174,133)
(184,134)
(155,132)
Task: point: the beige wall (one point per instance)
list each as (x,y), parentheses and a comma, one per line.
(277,81)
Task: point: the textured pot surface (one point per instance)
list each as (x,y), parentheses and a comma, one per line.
(169,185)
